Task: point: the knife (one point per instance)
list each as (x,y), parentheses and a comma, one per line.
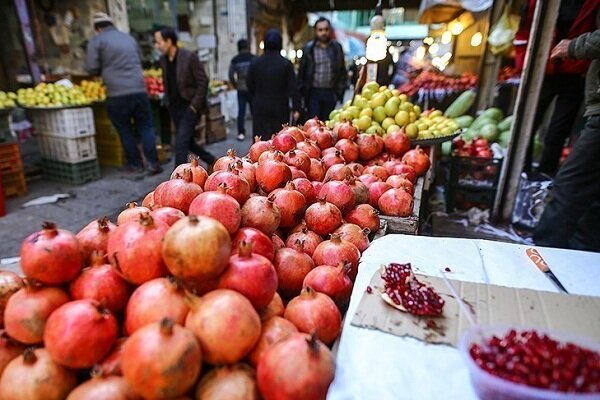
(535,256)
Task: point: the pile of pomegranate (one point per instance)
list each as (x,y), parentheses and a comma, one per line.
(231,285)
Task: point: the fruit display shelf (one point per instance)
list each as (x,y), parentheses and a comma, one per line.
(436,140)
(407,225)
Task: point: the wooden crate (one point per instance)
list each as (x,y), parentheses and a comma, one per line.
(13,183)
(408,225)
(10,158)
(216,130)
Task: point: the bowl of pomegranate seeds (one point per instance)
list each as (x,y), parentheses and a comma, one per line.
(529,363)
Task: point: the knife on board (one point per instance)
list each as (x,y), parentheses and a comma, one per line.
(535,256)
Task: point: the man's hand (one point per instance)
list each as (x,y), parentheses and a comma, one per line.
(561,50)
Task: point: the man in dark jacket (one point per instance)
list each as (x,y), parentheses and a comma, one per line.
(572,217)
(271,83)
(116,56)
(186,86)
(238,72)
(322,72)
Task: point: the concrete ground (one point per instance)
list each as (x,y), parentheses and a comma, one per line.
(106,196)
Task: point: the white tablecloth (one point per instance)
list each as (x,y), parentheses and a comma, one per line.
(375,365)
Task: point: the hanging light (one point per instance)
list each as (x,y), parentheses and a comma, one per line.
(428,40)
(456,28)
(299,53)
(434,48)
(283,52)
(446,37)
(420,53)
(261,45)
(377,42)
(292,54)
(476,39)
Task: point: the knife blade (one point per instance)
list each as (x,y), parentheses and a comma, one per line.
(535,256)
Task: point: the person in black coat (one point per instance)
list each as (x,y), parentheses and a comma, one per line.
(272,83)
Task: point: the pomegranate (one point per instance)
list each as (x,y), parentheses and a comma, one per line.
(94,236)
(258,148)
(10,283)
(111,364)
(368,179)
(178,193)
(161,360)
(261,243)
(338,172)
(323,217)
(283,142)
(377,171)
(345,130)
(28,309)
(148,201)
(355,234)
(271,154)
(349,149)
(196,248)
(339,194)
(168,215)
(333,158)
(417,159)
(367,146)
(220,206)
(298,367)
(235,186)
(274,308)
(261,213)
(390,164)
(277,242)
(397,203)
(229,382)
(312,311)
(224,313)
(305,187)
(102,283)
(297,228)
(51,256)
(322,136)
(199,174)
(11,349)
(80,333)
(309,239)
(400,182)
(273,174)
(134,249)
(365,216)
(297,133)
(298,159)
(380,147)
(104,387)
(397,143)
(376,190)
(273,330)
(312,123)
(292,265)
(332,281)
(154,300)
(335,251)
(223,163)
(34,375)
(356,168)
(251,275)
(404,169)
(291,203)
(310,148)
(131,213)
(317,170)
(359,189)
(247,171)
(296,173)
(317,186)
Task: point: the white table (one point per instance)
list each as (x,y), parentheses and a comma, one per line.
(375,365)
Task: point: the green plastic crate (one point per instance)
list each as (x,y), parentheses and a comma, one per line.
(73,173)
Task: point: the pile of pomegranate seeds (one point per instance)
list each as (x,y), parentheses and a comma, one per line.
(404,289)
(537,360)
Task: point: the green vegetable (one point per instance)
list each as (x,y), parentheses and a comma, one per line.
(489,132)
(470,134)
(481,121)
(506,123)
(464,121)
(446,148)
(504,138)
(461,105)
(494,113)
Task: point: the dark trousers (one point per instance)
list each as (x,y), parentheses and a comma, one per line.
(128,113)
(572,217)
(568,90)
(185,121)
(243,100)
(321,102)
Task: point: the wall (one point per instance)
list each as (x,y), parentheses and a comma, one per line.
(468,58)
(12,57)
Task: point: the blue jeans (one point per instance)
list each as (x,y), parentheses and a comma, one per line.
(321,102)
(185,121)
(128,113)
(243,99)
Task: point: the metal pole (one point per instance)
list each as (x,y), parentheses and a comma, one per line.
(28,41)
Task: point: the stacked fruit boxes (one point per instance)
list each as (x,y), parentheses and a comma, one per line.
(67,145)
(11,168)
(473,183)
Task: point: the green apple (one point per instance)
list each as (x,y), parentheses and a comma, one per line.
(354,110)
(366,111)
(379,114)
(411,131)
(333,114)
(387,122)
(393,128)
(378,99)
(373,86)
(364,122)
(372,129)
(346,116)
(391,107)
(367,93)
(347,104)
(361,103)
(402,118)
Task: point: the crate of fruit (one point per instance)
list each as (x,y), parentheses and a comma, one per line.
(67,123)
(475,172)
(407,225)
(67,150)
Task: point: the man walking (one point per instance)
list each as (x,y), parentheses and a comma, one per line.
(238,72)
(186,86)
(322,72)
(117,58)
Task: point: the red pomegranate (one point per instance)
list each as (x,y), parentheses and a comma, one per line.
(313,122)
(148,201)
(277,242)
(397,143)
(292,265)
(51,256)
(220,206)
(291,203)
(339,194)
(10,283)
(322,136)
(317,186)
(196,248)
(390,164)
(332,158)
(377,170)
(80,333)
(261,213)
(332,281)
(102,283)
(296,173)
(310,148)
(309,239)
(312,311)
(404,169)
(396,202)
(258,148)
(356,168)
(168,215)
(283,142)
(134,249)
(224,313)
(335,251)
(177,193)
(323,217)
(199,174)
(354,234)
(305,187)
(273,330)
(346,130)
(34,375)
(270,154)
(236,381)
(223,163)
(338,172)
(365,216)
(251,275)
(295,131)
(348,148)
(154,300)
(11,349)
(400,182)
(376,190)
(317,170)
(298,159)
(161,360)
(111,364)
(368,179)
(360,190)
(261,243)
(380,147)
(417,159)
(274,308)
(247,171)
(298,367)
(28,309)
(367,146)
(94,236)
(104,387)
(297,228)
(131,213)
(236,186)
(273,174)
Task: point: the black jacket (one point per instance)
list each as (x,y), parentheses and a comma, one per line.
(238,70)
(192,81)
(307,68)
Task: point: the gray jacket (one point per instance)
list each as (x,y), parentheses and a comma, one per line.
(117,57)
(588,46)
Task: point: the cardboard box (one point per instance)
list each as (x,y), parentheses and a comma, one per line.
(216,130)
(214,110)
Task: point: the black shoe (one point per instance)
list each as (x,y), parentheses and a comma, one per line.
(155,169)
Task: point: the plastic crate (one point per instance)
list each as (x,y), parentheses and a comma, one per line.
(106,134)
(464,199)
(14,184)
(111,155)
(67,123)
(67,150)
(475,172)
(10,158)
(73,173)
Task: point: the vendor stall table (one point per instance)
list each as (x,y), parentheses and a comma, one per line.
(375,365)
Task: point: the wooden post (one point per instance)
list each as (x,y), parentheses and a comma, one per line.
(27,40)
(538,49)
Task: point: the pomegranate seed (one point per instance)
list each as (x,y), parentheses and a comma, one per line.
(447,269)
(369,290)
